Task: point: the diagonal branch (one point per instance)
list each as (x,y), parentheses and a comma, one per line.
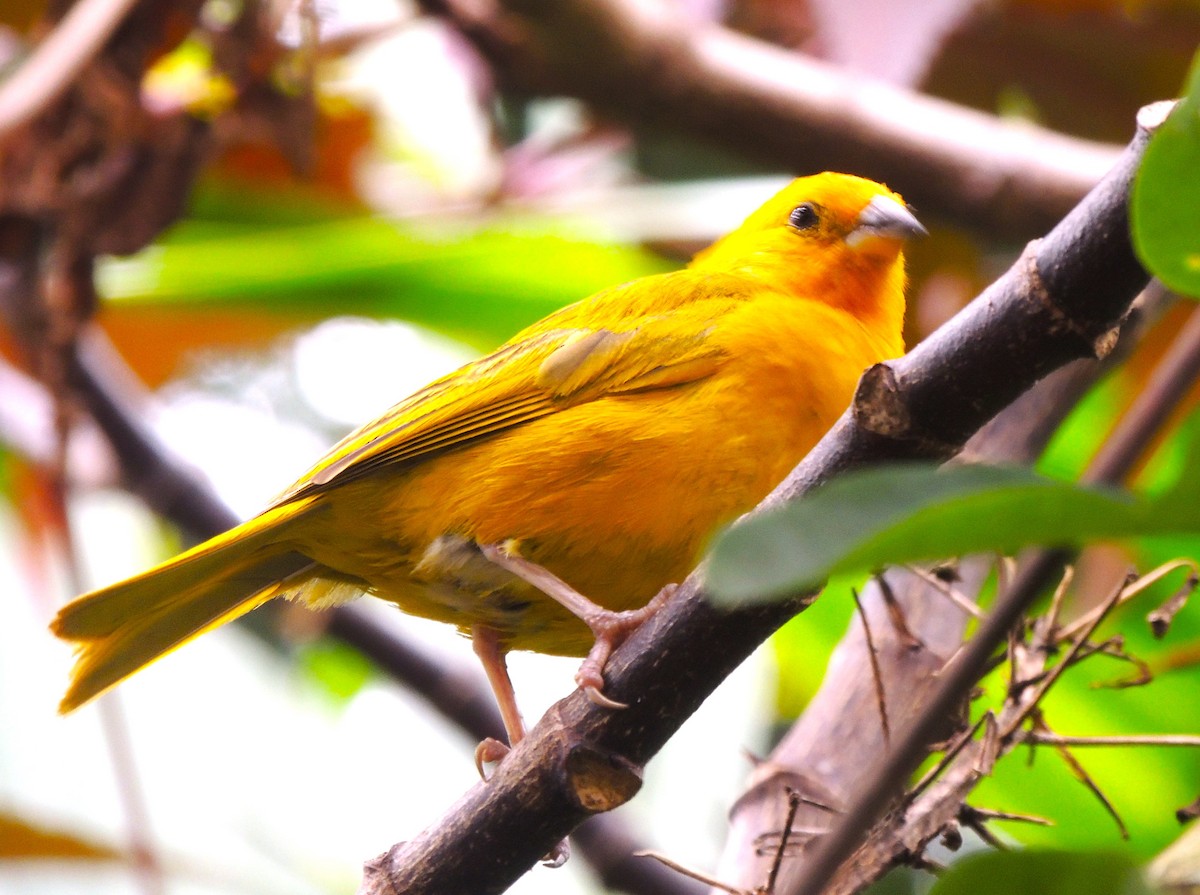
(1062,300)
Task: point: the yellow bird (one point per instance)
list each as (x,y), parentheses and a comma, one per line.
(594,453)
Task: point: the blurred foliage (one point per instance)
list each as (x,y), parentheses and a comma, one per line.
(246,266)
(336,668)
(1042,873)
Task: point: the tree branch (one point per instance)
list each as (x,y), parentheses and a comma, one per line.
(650,66)
(836,736)
(1061,301)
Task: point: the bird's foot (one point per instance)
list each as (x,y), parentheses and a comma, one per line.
(492,750)
(611,629)
(558,855)
(488,751)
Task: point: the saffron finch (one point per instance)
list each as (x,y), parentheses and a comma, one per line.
(592,454)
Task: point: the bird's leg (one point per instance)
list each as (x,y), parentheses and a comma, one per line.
(487,646)
(486,642)
(609,628)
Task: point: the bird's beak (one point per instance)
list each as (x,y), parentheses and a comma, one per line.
(885,217)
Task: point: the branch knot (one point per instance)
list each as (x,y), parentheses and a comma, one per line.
(881,408)
(600,781)
(1101,343)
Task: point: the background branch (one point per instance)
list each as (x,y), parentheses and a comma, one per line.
(644,64)
(58,59)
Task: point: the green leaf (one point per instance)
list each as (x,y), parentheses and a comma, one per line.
(910,513)
(1041,873)
(1165,207)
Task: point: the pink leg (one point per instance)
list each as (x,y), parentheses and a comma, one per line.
(609,628)
(487,647)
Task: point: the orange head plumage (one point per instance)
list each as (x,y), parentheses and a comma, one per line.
(831,237)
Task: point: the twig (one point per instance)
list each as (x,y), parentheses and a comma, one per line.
(691,873)
(1014,653)
(1085,778)
(1160,619)
(1032,702)
(896,614)
(947,758)
(147,862)
(963,602)
(142,847)
(793,807)
(880,696)
(1145,581)
(1188,812)
(1114,648)
(992,814)
(1050,622)
(977,824)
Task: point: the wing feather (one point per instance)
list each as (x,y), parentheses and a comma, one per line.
(558,363)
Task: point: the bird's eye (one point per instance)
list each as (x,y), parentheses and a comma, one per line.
(803,216)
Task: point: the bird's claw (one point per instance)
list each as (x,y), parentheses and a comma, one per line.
(488,751)
(558,855)
(596,697)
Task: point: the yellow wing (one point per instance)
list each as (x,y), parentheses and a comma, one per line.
(657,337)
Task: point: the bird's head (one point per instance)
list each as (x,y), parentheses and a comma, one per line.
(830,237)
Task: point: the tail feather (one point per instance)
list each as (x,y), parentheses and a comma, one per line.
(126,626)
